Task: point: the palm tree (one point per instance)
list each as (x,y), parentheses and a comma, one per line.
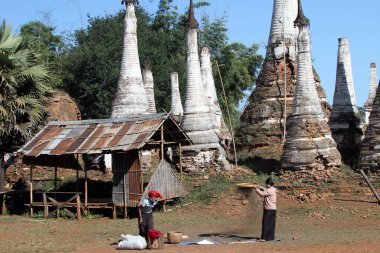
(23,86)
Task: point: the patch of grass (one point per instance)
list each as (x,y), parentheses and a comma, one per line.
(208,190)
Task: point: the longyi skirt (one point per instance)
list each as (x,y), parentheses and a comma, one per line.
(268,225)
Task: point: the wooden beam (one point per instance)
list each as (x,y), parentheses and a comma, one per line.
(370,185)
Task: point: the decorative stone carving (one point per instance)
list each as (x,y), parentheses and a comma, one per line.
(262,122)
(370,148)
(372,92)
(149,89)
(130,97)
(176,105)
(344,120)
(309,144)
(196,117)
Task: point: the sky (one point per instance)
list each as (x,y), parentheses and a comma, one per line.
(248,22)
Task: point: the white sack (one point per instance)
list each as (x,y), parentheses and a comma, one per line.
(132,242)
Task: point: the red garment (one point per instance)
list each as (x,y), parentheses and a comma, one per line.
(155,194)
(153,234)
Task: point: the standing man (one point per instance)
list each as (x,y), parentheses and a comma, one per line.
(145,209)
(269,215)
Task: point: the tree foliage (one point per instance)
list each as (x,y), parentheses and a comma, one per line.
(43,40)
(24,84)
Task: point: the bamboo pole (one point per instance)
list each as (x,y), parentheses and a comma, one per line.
(228,112)
(283,36)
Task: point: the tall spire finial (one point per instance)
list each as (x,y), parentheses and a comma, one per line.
(301,20)
(128,1)
(191,22)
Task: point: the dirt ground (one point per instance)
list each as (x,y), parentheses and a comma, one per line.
(340,223)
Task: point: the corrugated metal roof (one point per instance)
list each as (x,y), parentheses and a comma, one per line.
(95,136)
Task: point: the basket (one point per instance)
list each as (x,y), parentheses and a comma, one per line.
(174,237)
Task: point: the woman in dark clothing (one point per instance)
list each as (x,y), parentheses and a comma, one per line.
(269,215)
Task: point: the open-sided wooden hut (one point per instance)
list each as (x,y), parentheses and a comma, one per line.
(59,143)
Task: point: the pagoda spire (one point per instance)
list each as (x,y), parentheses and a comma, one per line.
(344,120)
(176,104)
(369,150)
(196,116)
(309,144)
(372,92)
(130,97)
(149,89)
(301,20)
(283,34)
(262,123)
(191,22)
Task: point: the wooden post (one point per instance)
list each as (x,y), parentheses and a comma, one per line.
(124,193)
(113,212)
(31,191)
(141,174)
(180,162)
(85,189)
(55,178)
(46,208)
(79,218)
(77,184)
(4,210)
(370,185)
(162,142)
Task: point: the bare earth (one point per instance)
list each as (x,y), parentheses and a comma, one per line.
(342,223)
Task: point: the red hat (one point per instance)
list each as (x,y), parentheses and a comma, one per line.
(155,194)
